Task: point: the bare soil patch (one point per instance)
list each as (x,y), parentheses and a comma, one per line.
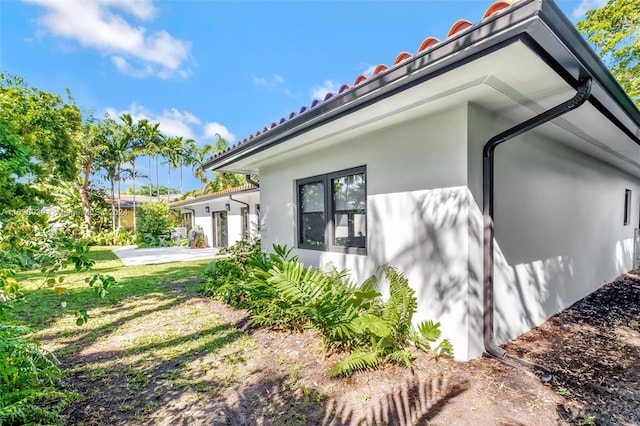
(192,360)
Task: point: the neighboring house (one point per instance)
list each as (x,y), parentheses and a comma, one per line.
(224,216)
(127,201)
(390,170)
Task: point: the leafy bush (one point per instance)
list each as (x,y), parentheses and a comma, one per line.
(225,276)
(30,388)
(280,292)
(121,237)
(153,224)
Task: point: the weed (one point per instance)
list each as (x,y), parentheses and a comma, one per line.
(587,420)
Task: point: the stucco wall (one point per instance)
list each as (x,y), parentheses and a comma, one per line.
(558,223)
(234,221)
(417,212)
(558,212)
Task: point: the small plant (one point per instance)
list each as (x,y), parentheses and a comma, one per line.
(30,381)
(388,331)
(587,420)
(198,241)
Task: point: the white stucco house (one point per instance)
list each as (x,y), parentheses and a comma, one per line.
(498,169)
(224,217)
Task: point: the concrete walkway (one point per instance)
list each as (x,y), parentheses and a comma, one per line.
(132,255)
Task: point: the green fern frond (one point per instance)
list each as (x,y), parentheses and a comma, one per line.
(368,323)
(402,357)
(359,360)
(429,330)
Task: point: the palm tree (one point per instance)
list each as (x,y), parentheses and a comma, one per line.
(185,154)
(152,140)
(196,159)
(108,159)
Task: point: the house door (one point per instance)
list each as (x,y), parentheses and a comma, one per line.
(220,230)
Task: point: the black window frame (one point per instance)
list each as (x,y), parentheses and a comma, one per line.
(627,207)
(244,222)
(330,211)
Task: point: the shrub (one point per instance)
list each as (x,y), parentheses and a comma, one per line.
(121,237)
(226,275)
(153,224)
(280,292)
(30,388)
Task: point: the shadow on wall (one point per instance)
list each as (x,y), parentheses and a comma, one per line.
(425,235)
(527,294)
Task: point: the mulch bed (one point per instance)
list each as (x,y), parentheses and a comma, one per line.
(593,349)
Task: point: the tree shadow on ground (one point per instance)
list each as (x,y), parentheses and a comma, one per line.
(277,401)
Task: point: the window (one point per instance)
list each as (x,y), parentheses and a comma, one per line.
(244,214)
(187,220)
(332,211)
(627,207)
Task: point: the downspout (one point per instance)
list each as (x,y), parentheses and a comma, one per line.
(251,181)
(244,237)
(193,216)
(238,201)
(491,348)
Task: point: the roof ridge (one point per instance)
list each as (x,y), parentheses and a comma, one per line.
(427,44)
(232,190)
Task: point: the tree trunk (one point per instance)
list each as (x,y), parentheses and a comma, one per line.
(150,181)
(135,227)
(157,175)
(181,192)
(169,184)
(113,207)
(119,199)
(84,197)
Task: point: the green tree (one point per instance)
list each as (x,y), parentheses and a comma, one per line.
(38,143)
(614,30)
(152,139)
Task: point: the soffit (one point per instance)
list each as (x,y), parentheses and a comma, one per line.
(513,82)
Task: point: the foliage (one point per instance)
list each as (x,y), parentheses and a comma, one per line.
(152,190)
(121,237)
(37,143)
(153,223)
(614,30)
(28,242)
(225,275)
(389,331)
(280,292)
(30,387)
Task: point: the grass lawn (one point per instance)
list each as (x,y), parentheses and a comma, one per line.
(155,351)
(147,335)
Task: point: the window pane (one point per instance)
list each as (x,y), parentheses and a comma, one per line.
(349,207)
(312,223)
(313,226)
(312,197)
(349,192)
(351,230)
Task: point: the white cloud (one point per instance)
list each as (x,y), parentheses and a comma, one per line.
(271,83)
(95,24)
(319,92)
(585,5)
(176,123)
(212,130)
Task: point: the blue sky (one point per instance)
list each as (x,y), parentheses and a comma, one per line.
(201,67)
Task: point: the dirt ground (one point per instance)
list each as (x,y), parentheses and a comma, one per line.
(242,376)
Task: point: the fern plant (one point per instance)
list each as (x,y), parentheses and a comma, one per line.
(29,381)
(389,330)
